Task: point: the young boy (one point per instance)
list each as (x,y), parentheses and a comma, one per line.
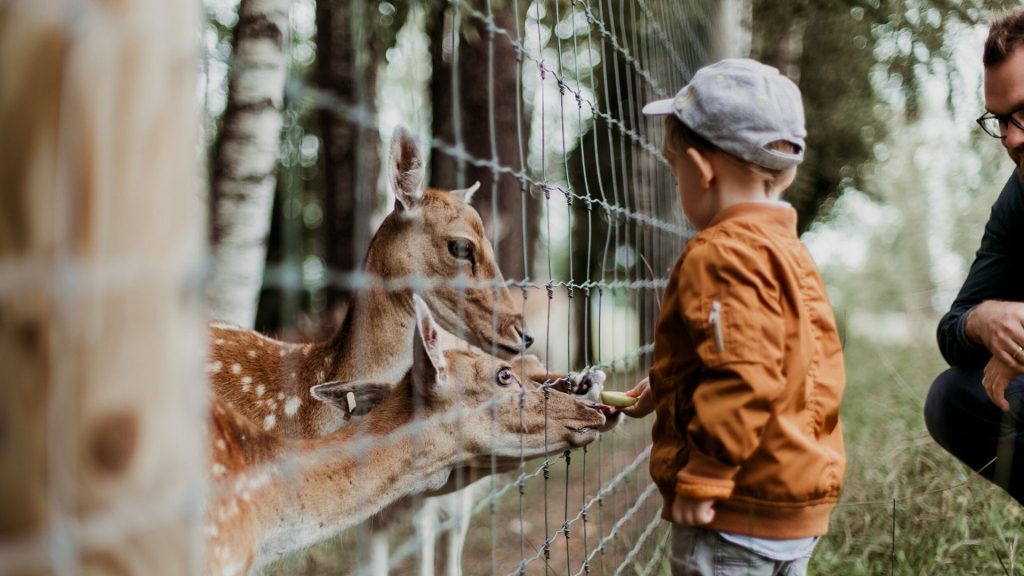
(748,367)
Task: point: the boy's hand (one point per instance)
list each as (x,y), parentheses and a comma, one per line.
(644,402)
(692,512)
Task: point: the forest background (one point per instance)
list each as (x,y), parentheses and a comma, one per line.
(892,200)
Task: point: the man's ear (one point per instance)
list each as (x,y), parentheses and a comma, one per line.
(705,170)
(354,398)
(405,170)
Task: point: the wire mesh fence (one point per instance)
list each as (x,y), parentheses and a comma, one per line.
(599,228)
(538,101)
(579,176)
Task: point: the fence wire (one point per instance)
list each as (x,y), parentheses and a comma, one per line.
(610,230)
(608,227)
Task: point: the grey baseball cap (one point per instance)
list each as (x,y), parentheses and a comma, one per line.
(741,105)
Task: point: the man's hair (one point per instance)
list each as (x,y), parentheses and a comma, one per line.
(1005,35)
(679,137)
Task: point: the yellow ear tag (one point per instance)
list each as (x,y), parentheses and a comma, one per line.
(350,398)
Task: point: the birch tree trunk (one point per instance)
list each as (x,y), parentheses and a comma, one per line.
(102,464)
(245,160)
(734,29)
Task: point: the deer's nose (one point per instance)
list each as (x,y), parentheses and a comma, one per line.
(527,339)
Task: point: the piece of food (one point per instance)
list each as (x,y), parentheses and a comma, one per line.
(617,399)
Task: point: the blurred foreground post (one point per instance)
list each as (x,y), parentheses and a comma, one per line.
(101,393)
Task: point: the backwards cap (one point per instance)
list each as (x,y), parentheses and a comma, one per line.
(741,106)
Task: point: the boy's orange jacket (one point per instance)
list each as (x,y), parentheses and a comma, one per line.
(747,379)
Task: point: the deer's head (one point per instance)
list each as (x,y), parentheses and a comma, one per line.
(437,235)
(493,411)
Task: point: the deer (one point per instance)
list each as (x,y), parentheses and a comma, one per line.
(288,389)
(274,495)
(430,233)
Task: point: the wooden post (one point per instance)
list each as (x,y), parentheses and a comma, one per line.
(102,461)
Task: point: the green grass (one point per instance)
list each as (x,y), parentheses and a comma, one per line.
(947,519)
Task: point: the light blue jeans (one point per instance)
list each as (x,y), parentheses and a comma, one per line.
(700,552)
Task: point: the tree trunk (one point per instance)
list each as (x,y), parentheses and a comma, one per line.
(245,160)
(101,452)
(347,60)
(504,214)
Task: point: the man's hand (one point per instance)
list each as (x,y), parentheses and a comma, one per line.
(644,403)
(997,377)
(999,326)
(692,512)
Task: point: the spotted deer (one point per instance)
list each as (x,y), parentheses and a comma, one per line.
(285,388)
(274,495)
(430,234)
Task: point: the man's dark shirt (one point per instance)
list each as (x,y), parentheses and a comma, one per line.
(996,274)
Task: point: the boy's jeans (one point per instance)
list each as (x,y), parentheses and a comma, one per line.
(700,552)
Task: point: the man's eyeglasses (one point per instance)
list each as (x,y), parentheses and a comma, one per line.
(996,125)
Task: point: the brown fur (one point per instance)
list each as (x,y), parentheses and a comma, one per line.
(266,485)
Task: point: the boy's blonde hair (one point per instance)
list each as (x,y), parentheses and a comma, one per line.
(679,137)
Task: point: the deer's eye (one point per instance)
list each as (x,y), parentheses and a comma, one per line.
(461,249)
(505,377)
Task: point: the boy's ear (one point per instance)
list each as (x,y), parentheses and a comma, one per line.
(702,162)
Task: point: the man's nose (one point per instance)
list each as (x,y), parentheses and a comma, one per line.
(1014,137)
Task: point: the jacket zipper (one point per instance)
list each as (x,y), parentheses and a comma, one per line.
(716,325)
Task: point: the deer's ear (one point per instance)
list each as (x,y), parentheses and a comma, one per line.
(466,194)
(428,363)
(365,395)
(405,170)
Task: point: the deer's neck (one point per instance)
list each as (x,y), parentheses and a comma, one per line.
(373,344)
(353,476)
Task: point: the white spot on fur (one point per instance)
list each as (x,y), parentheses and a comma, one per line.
(218,470)
(259,481)
(280,395)
(246,383)
(214,367)
(251,353)
(269,422)
(294,375)
(320,377)
(260,390)
(236,368)
(219,341)
(221,444)
(292,406)
(282,352)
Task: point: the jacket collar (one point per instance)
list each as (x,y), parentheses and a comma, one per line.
(778,215)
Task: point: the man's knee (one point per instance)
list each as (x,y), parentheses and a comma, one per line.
(944,402)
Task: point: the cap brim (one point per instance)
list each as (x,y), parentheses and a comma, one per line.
(659,107)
